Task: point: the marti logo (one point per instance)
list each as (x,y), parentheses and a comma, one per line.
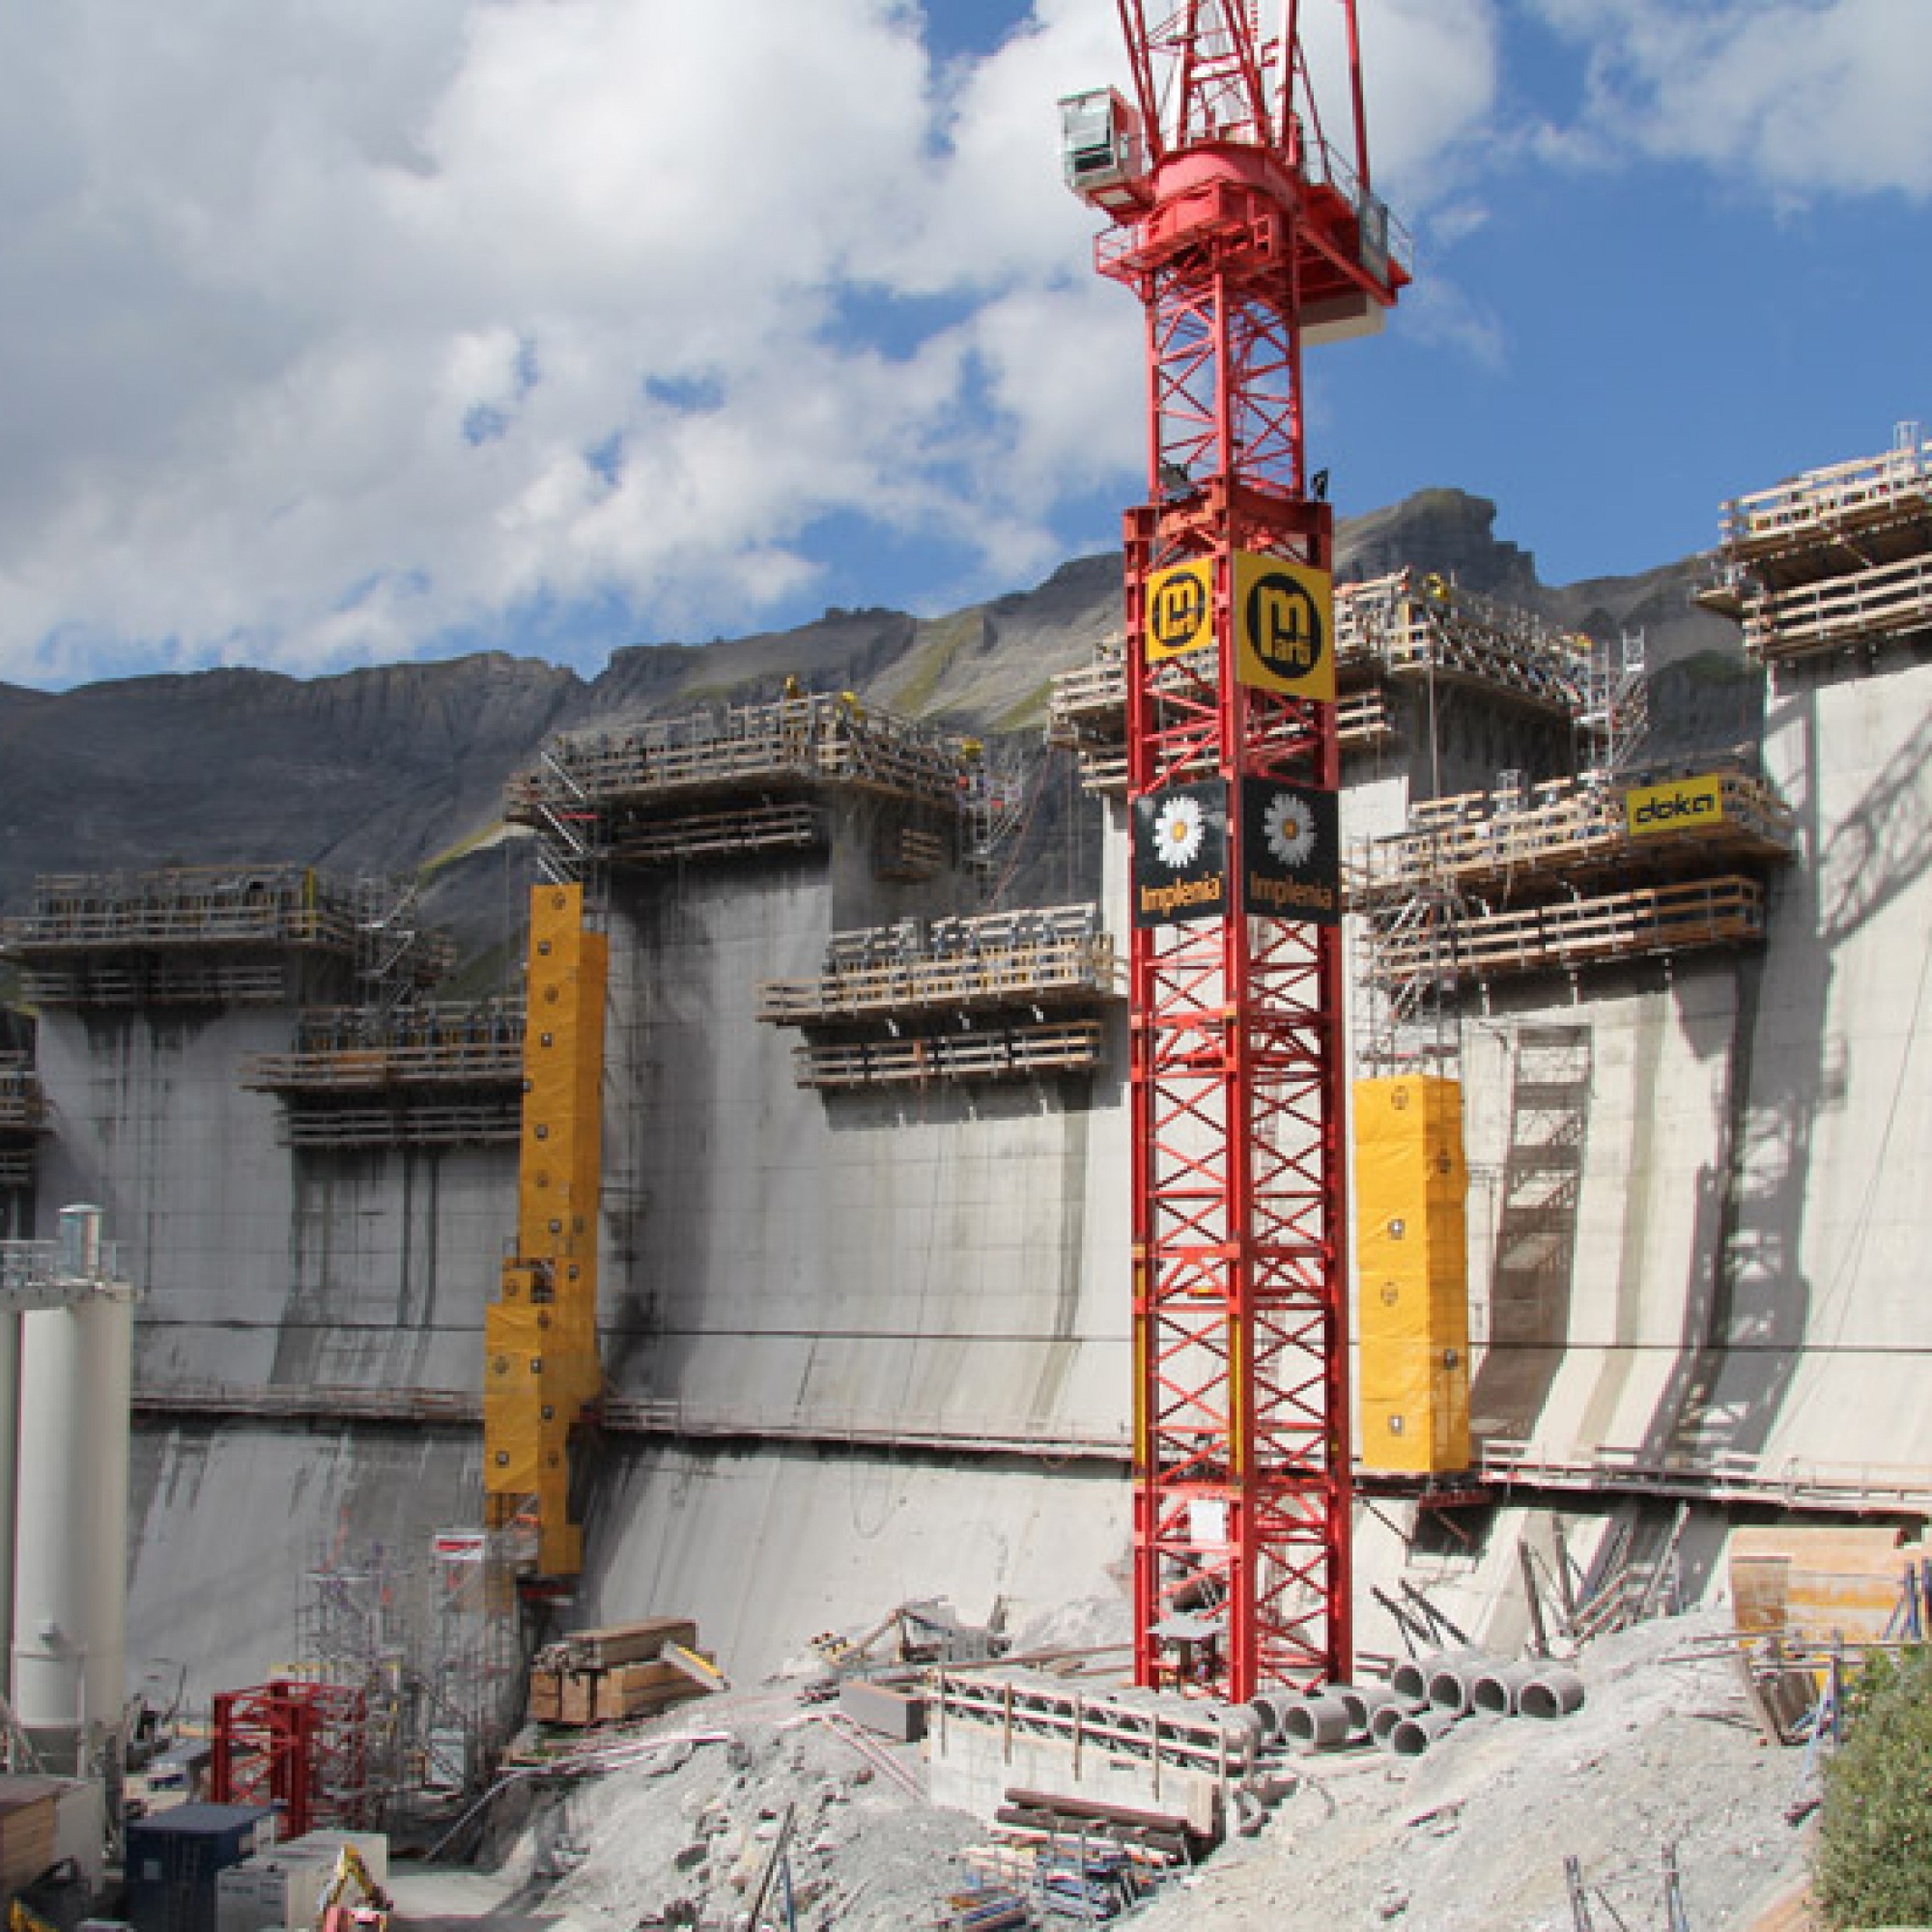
(1179,611)
(1286,626)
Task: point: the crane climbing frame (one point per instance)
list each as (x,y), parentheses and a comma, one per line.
(1244,235)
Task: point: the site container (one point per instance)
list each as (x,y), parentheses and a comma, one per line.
(176,1858)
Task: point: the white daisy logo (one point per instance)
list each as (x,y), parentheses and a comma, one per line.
(1178,831)
(1289,826)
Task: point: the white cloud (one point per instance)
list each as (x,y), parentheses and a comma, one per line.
(1801,97)
(334,333)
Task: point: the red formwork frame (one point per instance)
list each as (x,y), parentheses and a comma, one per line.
(297,1745)
(1242,1491)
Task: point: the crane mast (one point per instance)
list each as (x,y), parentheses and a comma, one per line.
(1245,236)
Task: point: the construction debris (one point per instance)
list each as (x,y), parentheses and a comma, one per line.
(1658,1770)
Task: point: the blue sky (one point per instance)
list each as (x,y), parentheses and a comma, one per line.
(350,333)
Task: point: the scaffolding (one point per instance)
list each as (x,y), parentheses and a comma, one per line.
(1613,724)
(1002,996)
(1404,626)
(1412,624)
(1835,558)
(435,1074)
(433,1668)
(211,935)
(1558,876)
(22,1119)
(1510,839)
(749,778)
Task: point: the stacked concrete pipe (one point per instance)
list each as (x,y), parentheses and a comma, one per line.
(1426,1695)
(1497,1687)
(1413,1735)
(1552,1693)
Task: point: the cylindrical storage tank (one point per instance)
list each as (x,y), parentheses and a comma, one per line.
(70,1571)
(1552,1693)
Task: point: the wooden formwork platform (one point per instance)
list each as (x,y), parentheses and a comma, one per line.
(1637,922)
(405,1123)
(1827,505)
(669,838)
(1559,832)
(111,981)
(1394,624)
(22,1105)
(987,1053)
(1082,969)
(444,1045)
(795,741)
(1886,601)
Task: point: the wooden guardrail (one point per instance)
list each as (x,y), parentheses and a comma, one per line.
(1636,922)
(1883,601)
(806,740)
(1822,502)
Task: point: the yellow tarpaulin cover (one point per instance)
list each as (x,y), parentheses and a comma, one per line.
(1412,1311)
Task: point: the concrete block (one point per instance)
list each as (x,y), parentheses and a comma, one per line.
(898,1715)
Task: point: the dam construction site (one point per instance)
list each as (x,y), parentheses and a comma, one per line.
(1237,1243)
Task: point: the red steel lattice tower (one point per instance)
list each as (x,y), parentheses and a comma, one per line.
(1246,235)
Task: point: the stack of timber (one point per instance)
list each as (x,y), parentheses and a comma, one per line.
(28,1830)
(623,1672)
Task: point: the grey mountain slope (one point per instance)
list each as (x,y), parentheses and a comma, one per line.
(388,768)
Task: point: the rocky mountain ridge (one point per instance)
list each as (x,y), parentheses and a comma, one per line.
(396,766)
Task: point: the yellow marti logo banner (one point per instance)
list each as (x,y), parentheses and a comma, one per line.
(1683,804)
(1180,610)
(1285,626)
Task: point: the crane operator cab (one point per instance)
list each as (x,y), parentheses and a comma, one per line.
(1102,150)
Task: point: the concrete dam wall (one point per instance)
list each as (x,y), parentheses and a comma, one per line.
(874,1344)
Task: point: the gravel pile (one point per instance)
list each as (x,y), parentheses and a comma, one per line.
(683,1840)
(1475,1833)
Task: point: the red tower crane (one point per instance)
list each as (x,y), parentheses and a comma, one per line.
(1246,235)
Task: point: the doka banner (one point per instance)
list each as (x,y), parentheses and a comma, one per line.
(1180,854)
(1683,804)
(1291,852)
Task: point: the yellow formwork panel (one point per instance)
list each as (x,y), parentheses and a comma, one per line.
(563,1073)
(540,1336)
(1413,1310)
